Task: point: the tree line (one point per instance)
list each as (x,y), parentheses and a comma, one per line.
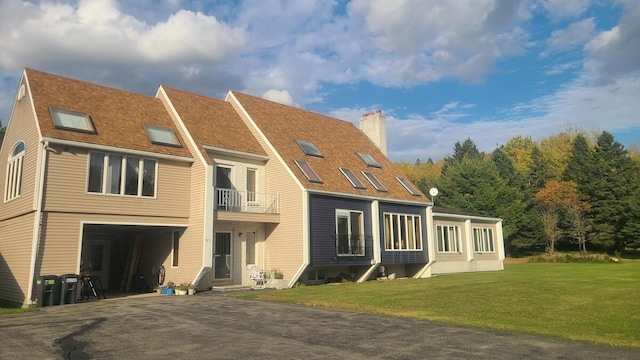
(570,191)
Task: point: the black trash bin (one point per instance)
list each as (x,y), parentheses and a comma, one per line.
(69,288)
(48,290)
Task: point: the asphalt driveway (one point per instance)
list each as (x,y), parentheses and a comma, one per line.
(211,326)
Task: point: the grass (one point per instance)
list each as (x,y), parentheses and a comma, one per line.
(6,308)
(597,303)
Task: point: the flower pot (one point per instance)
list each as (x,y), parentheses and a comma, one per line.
(181,292)
(169,291)
(191,291)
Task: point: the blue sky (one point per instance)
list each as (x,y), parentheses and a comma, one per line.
(441,70)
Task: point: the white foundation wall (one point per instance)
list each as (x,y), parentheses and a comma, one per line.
(446,267)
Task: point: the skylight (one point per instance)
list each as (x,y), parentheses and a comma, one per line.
(72,120)
(369,160)
(308,171)
(374,181)
(353,179)
(409,186)
(161,136)
(309,148)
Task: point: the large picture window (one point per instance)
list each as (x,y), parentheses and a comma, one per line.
(349,233)
(483,240)
(121,175)
(13,183)
(448,238)
(402,232)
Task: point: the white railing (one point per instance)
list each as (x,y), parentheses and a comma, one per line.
(244,201)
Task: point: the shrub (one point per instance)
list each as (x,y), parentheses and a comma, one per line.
(573,258)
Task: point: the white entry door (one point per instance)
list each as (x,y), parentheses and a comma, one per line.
(222,257)
(95,259)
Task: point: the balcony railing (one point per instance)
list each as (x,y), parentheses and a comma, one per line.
(244,201)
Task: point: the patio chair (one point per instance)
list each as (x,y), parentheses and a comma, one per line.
(256,275)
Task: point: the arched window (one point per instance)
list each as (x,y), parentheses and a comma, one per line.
(15,163)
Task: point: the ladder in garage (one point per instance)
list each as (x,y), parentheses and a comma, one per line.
(132,264)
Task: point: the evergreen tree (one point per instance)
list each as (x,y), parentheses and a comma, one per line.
(460,151)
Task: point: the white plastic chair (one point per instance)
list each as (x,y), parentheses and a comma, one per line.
(256,275)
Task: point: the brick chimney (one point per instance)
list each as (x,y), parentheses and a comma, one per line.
(374,125)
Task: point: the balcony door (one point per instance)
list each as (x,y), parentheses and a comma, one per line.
(224,189)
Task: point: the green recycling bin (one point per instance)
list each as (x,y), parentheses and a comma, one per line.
(48,290)
(69,288)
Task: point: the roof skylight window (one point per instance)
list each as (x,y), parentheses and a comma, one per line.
(353,179)
(308,171)
(409,186)
(369,160)
(374,181)
(161,136)
(309,148)
(72,120)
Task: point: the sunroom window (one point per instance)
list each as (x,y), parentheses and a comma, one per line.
(72,120)
(13,183)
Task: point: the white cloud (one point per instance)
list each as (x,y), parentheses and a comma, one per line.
(279,96)
(560,9)
(577,33)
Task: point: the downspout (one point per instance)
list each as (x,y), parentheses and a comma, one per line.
(37,224)
(431,245)
(305,239)
(375,234)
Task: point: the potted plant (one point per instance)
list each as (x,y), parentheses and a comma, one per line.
(182,288)
(191,289)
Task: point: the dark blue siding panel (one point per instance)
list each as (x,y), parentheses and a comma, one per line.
(322,213)
(404,257)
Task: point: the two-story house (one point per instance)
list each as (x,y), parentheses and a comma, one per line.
(122,185)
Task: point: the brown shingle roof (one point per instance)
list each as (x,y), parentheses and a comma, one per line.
(213,122)
(337,140)
(118,116)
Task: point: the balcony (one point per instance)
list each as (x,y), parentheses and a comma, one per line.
(247,202)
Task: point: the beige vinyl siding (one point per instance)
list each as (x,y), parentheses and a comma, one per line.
(15,258)
(464,238)
(21,127)
(61,237)
(192,240)
(284,244)
(66,188)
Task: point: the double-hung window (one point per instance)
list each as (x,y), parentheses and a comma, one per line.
(349,233)
(483,240)
(13,183)
(402,232)
(121,175)
(448,238)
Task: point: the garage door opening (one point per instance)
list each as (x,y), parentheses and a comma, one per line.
(126,258)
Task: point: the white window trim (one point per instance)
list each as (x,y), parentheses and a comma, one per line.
(479,244)
(457,241)
(123,169)
(14,177)
(175,235)
(417,236)
(347,213)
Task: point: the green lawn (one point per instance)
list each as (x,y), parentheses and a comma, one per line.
(597,303)
(6,308)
